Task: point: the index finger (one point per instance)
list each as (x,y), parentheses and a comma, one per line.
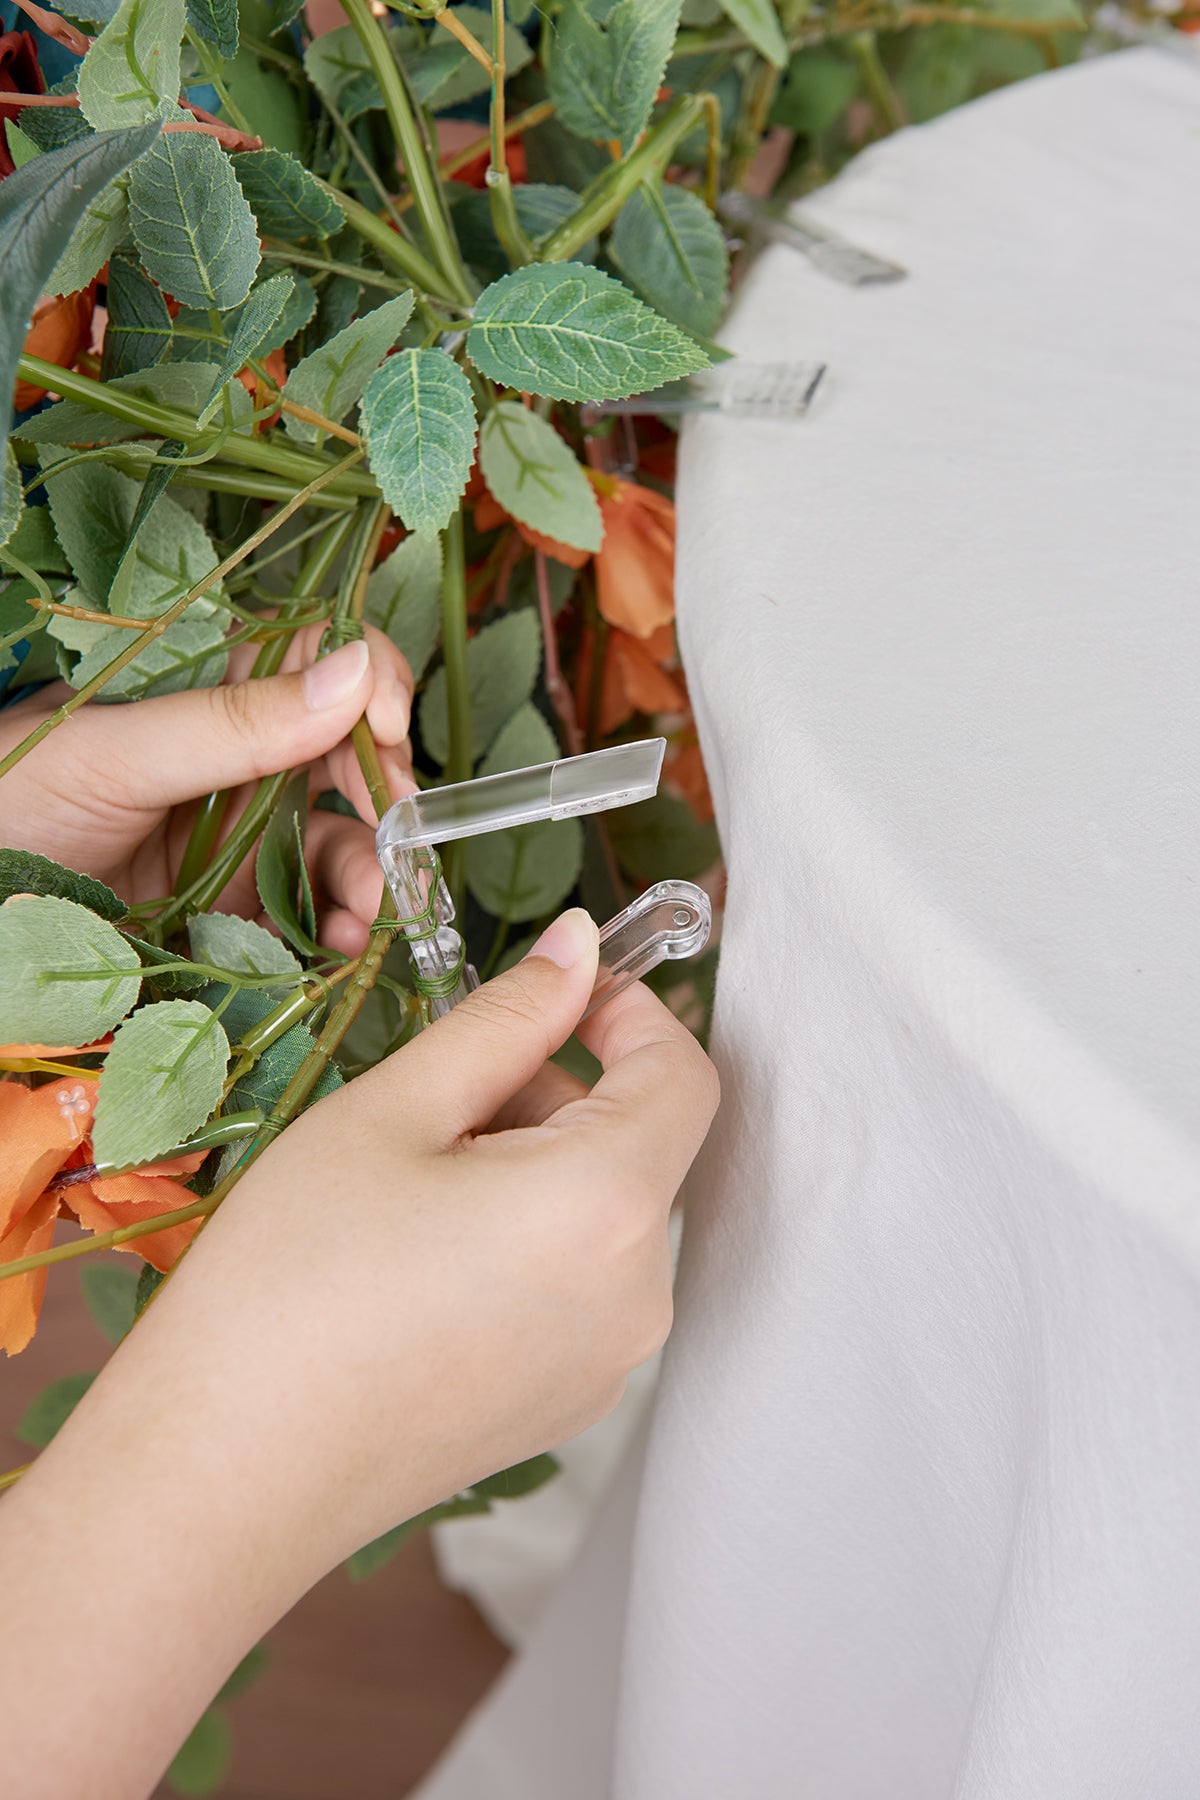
(653,1105)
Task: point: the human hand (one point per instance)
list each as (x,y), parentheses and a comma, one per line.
(444,1268)
(112,791)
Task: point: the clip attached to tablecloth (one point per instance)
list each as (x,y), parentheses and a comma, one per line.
(670,920)
(834,255)
(737,389)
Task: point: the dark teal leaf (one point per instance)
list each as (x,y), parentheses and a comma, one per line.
(192,223)
(669,247)
(216,21)
(40,206)
(139,325)
(603,77)
(24,872)
(149,1281)
(110,1293)
(418,418)
(286,200)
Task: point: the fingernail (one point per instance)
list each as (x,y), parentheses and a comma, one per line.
(328,681)
(567,940)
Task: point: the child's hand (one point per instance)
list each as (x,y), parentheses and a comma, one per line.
(446,1267)
(112,790)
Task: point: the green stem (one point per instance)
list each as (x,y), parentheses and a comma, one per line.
(882,94)
(458,695)
(323,265)
(209,63)
(501,203)
(411,262)
(600,203)
(417,167)
(296,466)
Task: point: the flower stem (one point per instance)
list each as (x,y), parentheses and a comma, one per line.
(600,203)
(501,202)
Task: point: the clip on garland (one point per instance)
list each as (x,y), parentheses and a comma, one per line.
(670,920)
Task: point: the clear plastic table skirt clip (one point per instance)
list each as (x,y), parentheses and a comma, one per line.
(672,919)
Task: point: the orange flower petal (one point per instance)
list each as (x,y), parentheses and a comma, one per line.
(21,1295)
(648,687)
(39,1128)
(119,1200)
(60,331)
(685,773)
(635,566)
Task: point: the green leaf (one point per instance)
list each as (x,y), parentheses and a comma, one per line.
(69,976)
(502,665)
(12,496)
(661,839)
(760,23)
(268,99)
(541,207)
(263,1084)
(34,541)
(603,77)
(418,418)
(161,1080)
(287,201)
(24,872)
(279,870)
(226,941)
(529,870)
(669,247)
(110,1293)
(216,21)
(51,127)
(298,309)
(336,64)
(330,380)
(191,653)
(255,322)
(149,1280)
(139,325)
(192,223)
(246,1673)
(523,1478)
(404,599)
(40,208)
(21,148)
(535,477)
(820,85)
(52,1408)
(200,1763)
(573,333)
(377,1554)
(101,231)
(133,66)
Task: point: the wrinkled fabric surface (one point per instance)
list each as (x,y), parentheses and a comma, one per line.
(917,1516)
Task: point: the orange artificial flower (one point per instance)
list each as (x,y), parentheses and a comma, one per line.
(635,565)
(686,775)
(60,333)
(489,514)
(634,677)
(46,1136)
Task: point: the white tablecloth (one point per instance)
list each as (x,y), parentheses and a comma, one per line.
(919,1517)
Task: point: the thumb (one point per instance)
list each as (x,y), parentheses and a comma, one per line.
(470,1062)
(184,745)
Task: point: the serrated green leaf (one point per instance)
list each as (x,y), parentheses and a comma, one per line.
(669,247)
(760,23)
(53,127)
(661,839)
(216,21)
(418,418)
(287,201)
(279,870)
(51,1410)
(255,322)
(68,975)
(535,477)
(139,325)
(161,1081)
(603,77)
(404,599)
(133,66)
(528,871)
(573,333)
(191,653)
(330,380)
(110,1294)
(191,222)
(298,309)
(94,506)
(24,872)
(12,496)
(226,941)
(199,1765)
(263,1084)
(541,207)
(40,207)
(502,666)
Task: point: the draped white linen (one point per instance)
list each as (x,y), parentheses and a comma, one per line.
(918,1515)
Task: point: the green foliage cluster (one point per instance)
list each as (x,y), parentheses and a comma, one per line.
(399,328)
